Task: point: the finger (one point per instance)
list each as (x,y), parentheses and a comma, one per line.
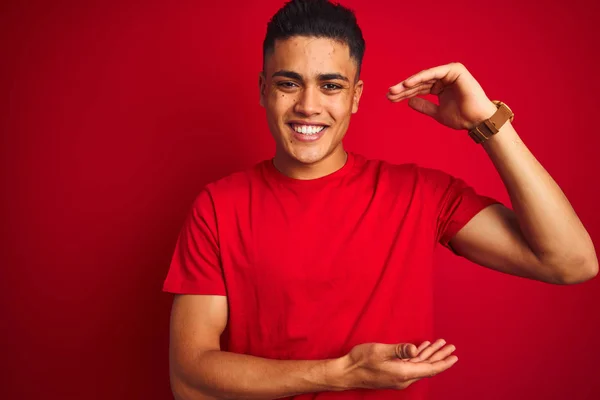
(442,353)
(405,351)
(427,352)
(443,72)
(423,106)
(423,345)
(399,88)
(438,87)
(416,91)
(425,369)
(436,355)
(406,91)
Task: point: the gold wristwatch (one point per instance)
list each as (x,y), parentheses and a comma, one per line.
(492,125)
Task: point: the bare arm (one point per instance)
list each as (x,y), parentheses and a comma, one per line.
(543,238)
(200,370)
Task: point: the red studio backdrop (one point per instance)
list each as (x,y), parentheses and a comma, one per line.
(114,114)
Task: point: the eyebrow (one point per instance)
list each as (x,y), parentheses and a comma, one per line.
(322,77)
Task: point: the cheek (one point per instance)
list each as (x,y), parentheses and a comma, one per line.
(340,108)
(281,103)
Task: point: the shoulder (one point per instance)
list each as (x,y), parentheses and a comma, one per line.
(383,168)
(231,187)
(412,173)
(237,180)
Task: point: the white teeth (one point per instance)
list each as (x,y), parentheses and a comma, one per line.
(308,129)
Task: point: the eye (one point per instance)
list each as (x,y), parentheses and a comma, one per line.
(331,86)
(287,85)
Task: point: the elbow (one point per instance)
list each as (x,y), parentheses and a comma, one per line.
(181,391)
(581,271)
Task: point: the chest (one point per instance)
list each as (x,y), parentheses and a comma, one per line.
(323,240)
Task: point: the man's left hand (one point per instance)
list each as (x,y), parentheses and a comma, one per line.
(462,102)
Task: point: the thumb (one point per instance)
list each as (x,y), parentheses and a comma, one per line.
(423,106)
(404,351)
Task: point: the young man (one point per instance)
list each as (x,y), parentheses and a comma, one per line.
(310,272)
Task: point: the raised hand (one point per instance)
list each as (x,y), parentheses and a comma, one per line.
(462,102)
(396,366)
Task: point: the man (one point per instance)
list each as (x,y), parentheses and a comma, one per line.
(310,273)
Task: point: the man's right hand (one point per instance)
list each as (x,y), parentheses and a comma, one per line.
(395,366)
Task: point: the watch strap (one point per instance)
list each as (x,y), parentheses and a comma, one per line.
(492,125)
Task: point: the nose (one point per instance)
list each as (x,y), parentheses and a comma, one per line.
(309,102)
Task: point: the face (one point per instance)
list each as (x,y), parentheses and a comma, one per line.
(309,92)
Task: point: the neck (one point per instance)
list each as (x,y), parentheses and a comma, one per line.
(303,171)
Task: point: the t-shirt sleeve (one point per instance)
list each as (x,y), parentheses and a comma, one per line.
(455,203)
(196,263)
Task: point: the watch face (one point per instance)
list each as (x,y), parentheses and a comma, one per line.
(499,104)
(510,112)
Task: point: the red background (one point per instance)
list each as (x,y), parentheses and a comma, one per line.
(114,114)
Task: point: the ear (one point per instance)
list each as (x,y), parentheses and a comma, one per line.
(262,88)
(358,89)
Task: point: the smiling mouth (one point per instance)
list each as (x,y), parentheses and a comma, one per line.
(307,129)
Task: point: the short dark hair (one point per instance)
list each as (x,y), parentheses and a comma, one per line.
(316,18)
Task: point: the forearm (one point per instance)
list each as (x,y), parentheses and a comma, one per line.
(225,375)
(548,222)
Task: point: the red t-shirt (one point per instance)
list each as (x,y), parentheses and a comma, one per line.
(313,267)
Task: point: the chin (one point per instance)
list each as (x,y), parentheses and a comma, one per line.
(309,156)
